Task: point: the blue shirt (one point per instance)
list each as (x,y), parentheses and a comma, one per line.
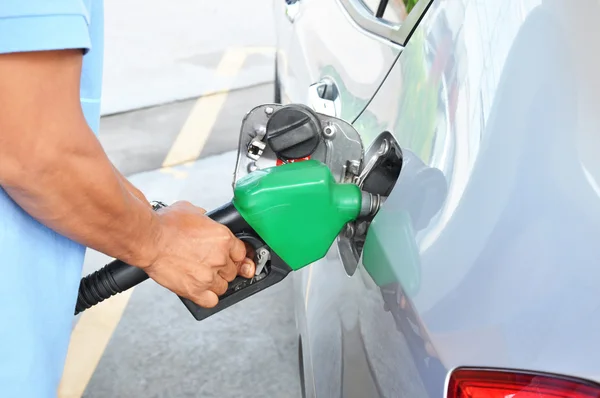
(40,269)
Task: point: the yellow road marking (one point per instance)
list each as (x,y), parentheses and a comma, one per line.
(94,329)
(88,341)
(191,139)
(232,62)
(258,50)
(178,174)
(197,128)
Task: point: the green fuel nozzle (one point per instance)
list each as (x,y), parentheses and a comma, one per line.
(297,209)
(290,215)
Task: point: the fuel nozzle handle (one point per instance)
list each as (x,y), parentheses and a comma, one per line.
(290,215)
(117,276)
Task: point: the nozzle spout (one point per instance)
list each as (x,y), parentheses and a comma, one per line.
(370,204)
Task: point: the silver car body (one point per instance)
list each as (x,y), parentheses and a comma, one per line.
(503,98)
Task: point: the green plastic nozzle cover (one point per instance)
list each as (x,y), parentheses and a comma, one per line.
(297,209)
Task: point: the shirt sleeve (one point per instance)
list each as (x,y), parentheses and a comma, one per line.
(39,25)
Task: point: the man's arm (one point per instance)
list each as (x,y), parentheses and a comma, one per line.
(131,188)
(53,166)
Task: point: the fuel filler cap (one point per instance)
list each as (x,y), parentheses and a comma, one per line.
(293,132)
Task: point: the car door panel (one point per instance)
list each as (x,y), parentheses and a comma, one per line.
(471,101)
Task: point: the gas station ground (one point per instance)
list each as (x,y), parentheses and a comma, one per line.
(147,344)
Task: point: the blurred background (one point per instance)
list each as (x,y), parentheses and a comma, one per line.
(178,78)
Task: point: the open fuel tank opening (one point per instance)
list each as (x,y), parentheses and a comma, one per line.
(387,166)
(377,176)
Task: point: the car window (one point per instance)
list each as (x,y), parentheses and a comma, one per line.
(397,10)
(391,19)
(394,11)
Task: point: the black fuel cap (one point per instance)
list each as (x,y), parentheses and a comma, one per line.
(293,132)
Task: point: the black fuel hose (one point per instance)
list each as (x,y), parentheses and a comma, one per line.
(117,276)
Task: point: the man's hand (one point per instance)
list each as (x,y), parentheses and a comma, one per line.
(197,256)
(53,166)
(188,273)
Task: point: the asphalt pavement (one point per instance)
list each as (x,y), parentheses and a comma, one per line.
(140,140)
(157,348)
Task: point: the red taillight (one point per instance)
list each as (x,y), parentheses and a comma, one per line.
(476,383)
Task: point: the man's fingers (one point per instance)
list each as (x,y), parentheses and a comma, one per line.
(229,269)
(219,285)
(246,268)
(207,299)
(238,250)
(229,272)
